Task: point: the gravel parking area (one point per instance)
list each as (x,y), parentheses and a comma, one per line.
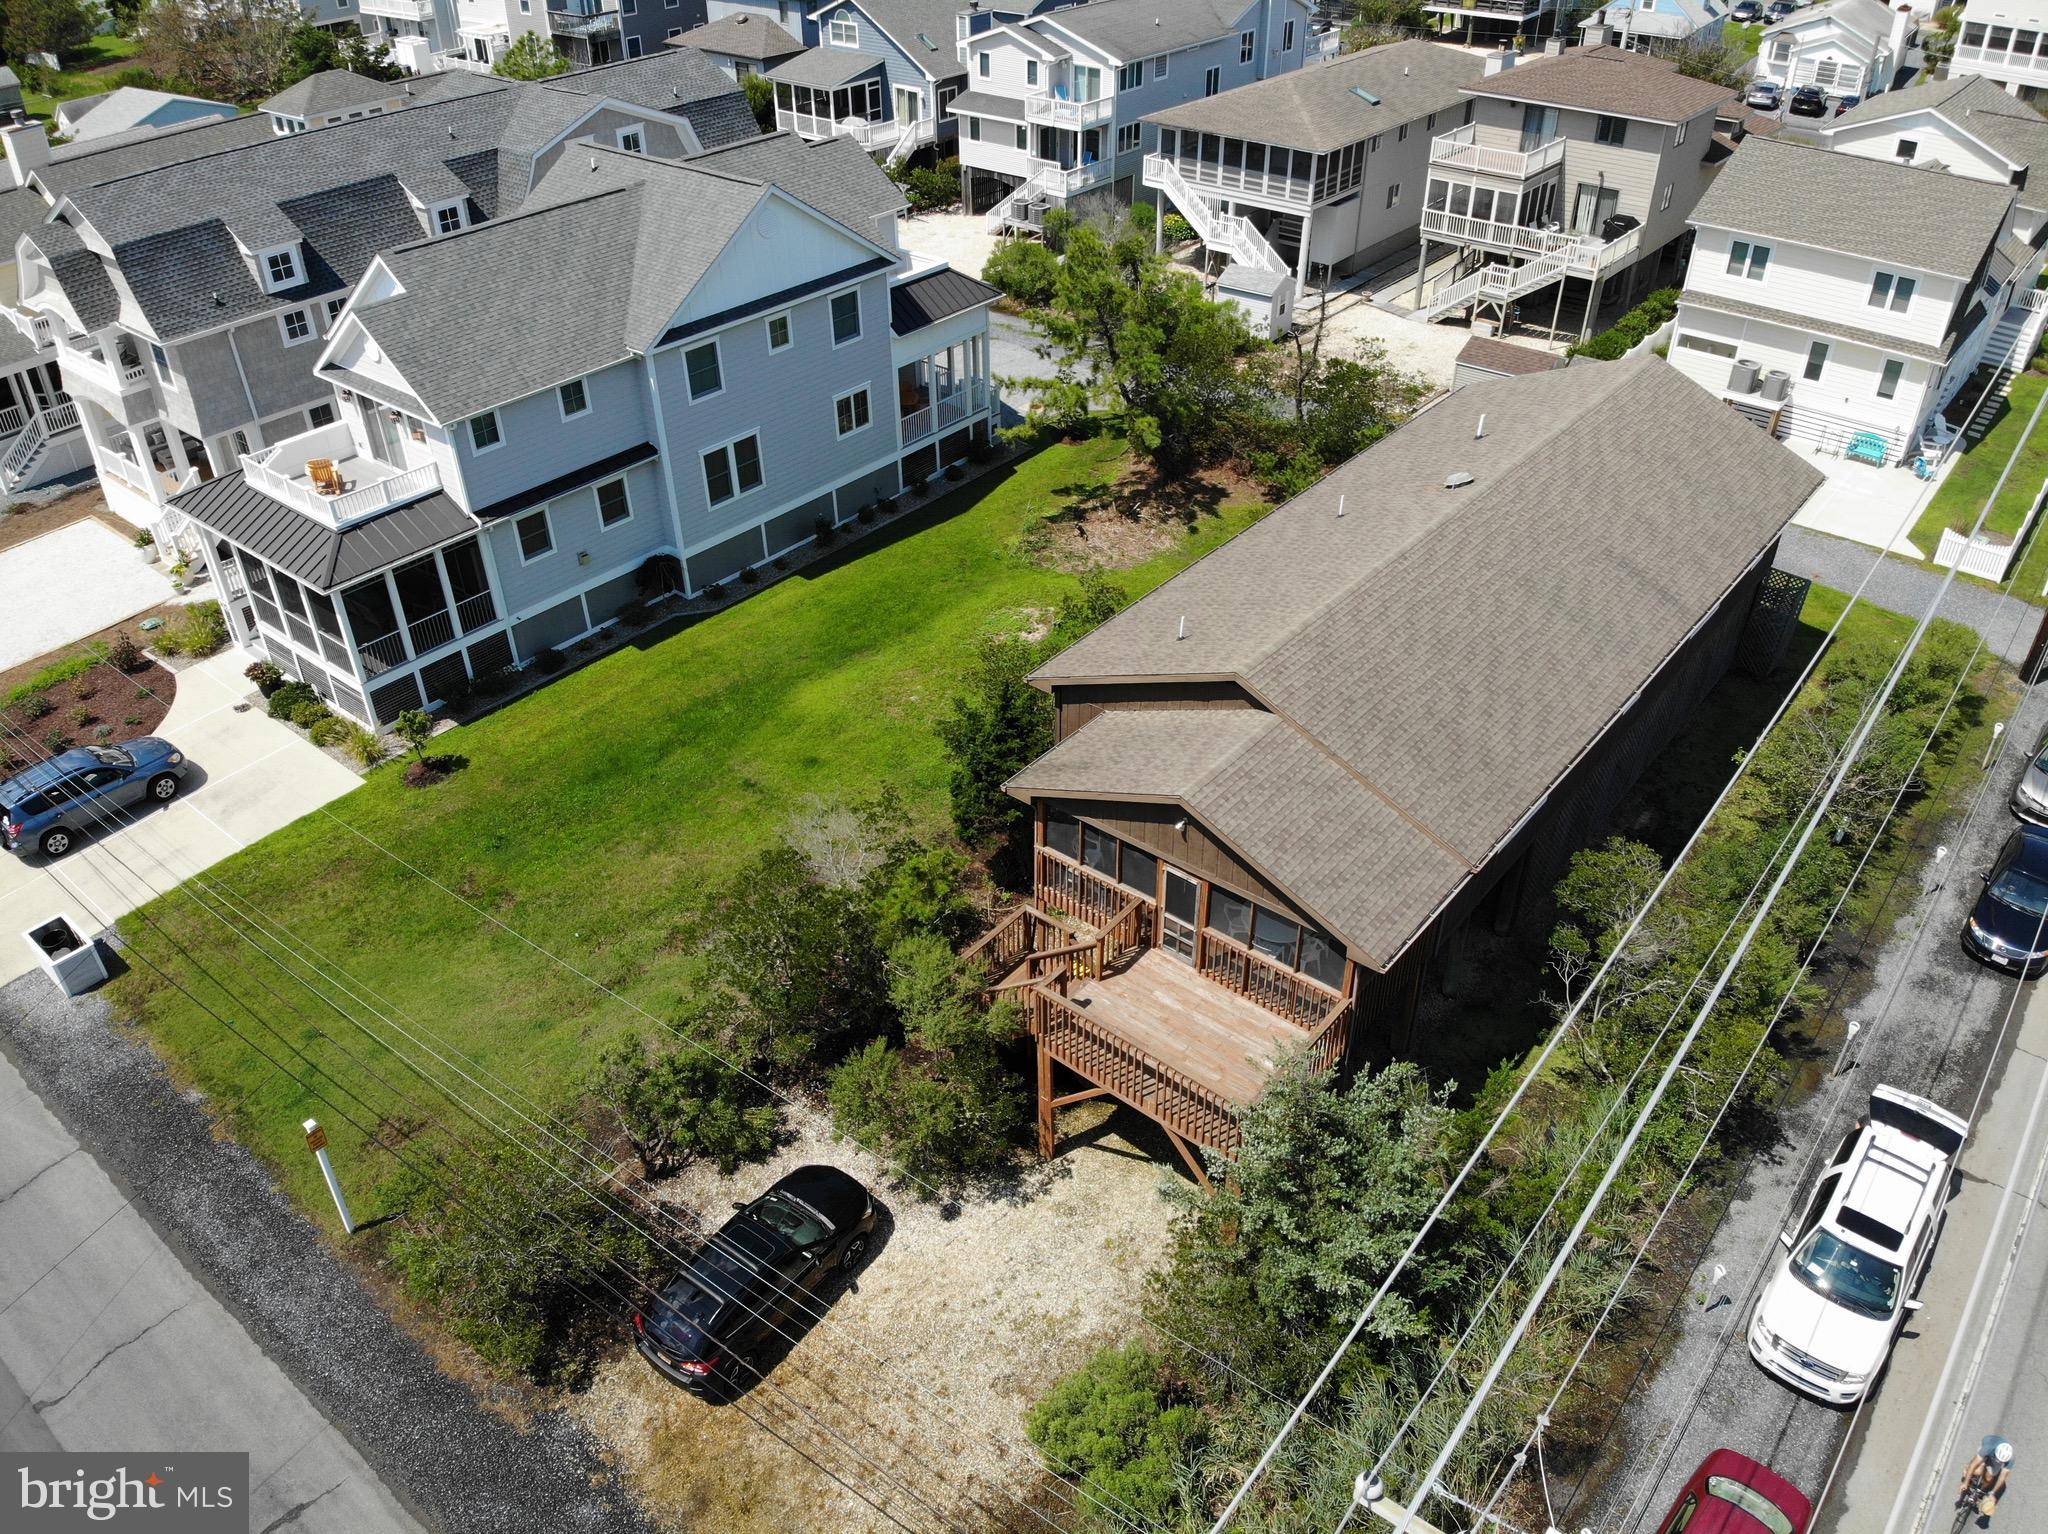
(460,1466)
(962,1316)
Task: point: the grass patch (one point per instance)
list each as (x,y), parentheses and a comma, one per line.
(596,813)
(87,70)
(1743,41)
(1962,495)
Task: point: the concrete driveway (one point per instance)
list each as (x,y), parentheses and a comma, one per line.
(250,776)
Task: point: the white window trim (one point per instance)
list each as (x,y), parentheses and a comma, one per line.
(732,465)
(632,130)
(263,267)
(1247,46)
(717,351)
(519,540)
(304,312)
(434,218)
(635,47)
(162,370)
(562,405)
(859,334)
(333,309)
(469,426)
(849,394)
(597,502)
(853,29)
(788,318)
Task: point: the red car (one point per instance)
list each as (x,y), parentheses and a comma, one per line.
(1731,1493)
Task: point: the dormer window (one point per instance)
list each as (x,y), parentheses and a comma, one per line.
(449,217)
(633,139)
(841,32)
(280,267)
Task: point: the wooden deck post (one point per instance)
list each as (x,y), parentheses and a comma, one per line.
(1045,1103)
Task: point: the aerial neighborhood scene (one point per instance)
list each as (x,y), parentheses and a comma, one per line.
(1097,766)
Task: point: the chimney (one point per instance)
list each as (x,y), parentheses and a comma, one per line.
(1553,46)
(1902,33)
(1496,62)
(28,148)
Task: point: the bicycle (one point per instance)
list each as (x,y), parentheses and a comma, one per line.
(1970,1505)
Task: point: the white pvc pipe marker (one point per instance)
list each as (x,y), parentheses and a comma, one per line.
(316,1141)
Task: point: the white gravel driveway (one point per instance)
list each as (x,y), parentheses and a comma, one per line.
(68,584)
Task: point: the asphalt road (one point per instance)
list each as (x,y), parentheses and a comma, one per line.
(249,1332)
(107,1342)
(1930,1017)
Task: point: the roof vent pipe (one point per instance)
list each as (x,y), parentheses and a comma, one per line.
(1183,627)
(1340,505)
(1479,430)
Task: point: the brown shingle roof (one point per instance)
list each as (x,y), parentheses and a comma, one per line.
(1447,653)
(1505,357)
(1610,80)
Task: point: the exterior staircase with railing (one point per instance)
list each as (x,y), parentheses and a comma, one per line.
(2007,350)
(1232,233)
(1498,283)
(27,449)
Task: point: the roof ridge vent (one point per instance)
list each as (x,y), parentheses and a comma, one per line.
(1457,479)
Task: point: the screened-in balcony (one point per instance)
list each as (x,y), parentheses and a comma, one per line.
(409,612)
(858,110)
(1211,162)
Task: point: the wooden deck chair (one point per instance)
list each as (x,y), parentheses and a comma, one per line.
(326,479)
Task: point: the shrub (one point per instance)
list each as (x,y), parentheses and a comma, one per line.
(1059,223)
(920,891)
(659,573)
(673,1106)
(306,715)
(123,653)
(103,733)
(549,661)
(1125,1432)
(1143,216)
(199,630)
(997,725)
(57,741)
(1024,269)
(1633,327)
(81,716)
(267,677)
(365,745)
(289,696)
(1178,230)
(761,100)
(928,188)
(33,706)
(86,685)
(132,720)
(524,1262)
(415,727)
(750,576)
(824,530)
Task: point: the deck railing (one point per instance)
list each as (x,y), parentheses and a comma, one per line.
(1183,1105)
(1332,1037)
(1078,890)
(1461,148)
(1291,994)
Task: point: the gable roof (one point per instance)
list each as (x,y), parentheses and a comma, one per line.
(740,35)
(128,107)
(835,175)
(1317,107)
(330,90)
(902,21)
(145,149)
(1434,662)
(1607,79)
(1659,18)
(1974,105)
(1878,209)
(1868,19)
(1137,29)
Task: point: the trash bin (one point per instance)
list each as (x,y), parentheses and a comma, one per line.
(71,959)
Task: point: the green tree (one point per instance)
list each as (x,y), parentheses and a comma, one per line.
(1024,269)
(1126,1434)
(920,891)
(997,724)
(675,1105)
(1131,336)
(1717,63)
(309,49)
(802,956)
(416,728)
(46,26)
(235,50)
(1325,1192)
(761,100)
(534,56)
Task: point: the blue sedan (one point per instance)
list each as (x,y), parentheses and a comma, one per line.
(2009,926)
(50,805)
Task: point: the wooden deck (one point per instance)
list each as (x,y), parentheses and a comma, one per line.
(1221,1040)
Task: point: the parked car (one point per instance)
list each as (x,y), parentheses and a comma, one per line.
(1731,1493)
(2030,794)
(1765,96)
(1808,101)
(2006,926)
(1777,11)
(51,805)
(749,1282)
(1825,1322)
(1746,11)
(1843,103)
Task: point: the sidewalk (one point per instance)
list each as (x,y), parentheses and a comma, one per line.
(1902,1466)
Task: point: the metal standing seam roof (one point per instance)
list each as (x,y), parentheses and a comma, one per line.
(325,558)
(1878,209)
(935,296)
(1445,655)
(1606,79)
(1317,108)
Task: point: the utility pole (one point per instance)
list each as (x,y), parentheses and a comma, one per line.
(316,1142)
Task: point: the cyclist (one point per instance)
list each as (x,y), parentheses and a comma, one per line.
(1984,1482)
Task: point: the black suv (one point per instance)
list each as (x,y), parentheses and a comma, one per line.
(1808,101)
(753,1282)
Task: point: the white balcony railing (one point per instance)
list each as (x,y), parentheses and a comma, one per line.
(1059,113)
(114,378)
(967,399)
(1237,180)
(1589,252)
(1461,150)
(280,472)
(1070,180)
(37,327)
(1999,58)
(403,10)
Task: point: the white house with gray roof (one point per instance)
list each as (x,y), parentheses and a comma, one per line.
(1840,300)
(883,74)
(1322,166)
(185,294)
(500,460)
(2004,41)
(1845,47)
(1056,102)
(1655,26)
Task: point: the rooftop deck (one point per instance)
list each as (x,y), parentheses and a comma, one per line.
(368,485)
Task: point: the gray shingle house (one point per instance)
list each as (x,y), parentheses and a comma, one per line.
(499,460)
(1286,779)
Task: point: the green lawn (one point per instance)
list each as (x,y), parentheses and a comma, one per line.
(1962,495)
(1741,40)
(87,71)
(594,813)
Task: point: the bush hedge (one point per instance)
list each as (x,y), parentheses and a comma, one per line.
(1635,326)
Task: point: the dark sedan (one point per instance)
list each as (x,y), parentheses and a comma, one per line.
(2006,928)
(1808,101)
(756,1280)
(1746,11)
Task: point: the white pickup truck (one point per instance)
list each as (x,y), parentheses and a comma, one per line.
(1826,1320)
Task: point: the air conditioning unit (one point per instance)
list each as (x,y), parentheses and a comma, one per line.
(1742,376)
(1775,383)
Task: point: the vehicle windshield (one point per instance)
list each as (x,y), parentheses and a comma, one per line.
(1752,1502)
(111,757)
(1853,1278)
(2021,890)
(792,1219)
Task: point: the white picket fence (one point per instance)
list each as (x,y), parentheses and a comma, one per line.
(1981,556)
